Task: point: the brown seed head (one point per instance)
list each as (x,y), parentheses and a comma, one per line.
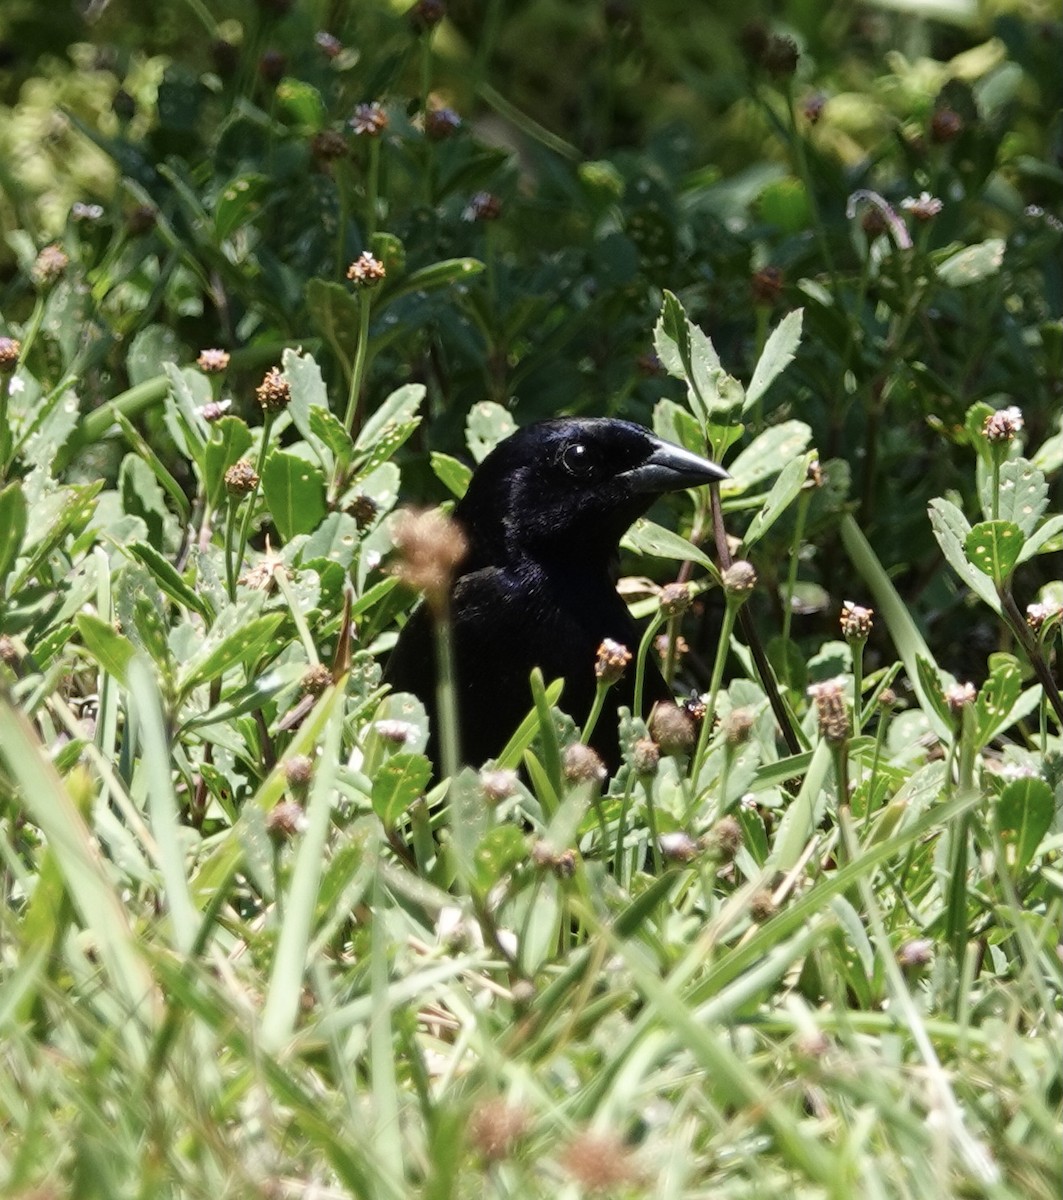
(887,698)
(328,144)
(274,393)
(600,1163)
(737,726)
(675,599)
(645,757)
(915,953)
(272,65)
(766,285)
(430,545)
(369,120)
(10,349)
(762,906)
(739,579)
(298,771)
(856,622)
(780,56)
(495,1128)
(831,709)
(581,764)
(241,478)
(441,123)
(316,680)
(212,362)
(363,508)
(498,785)
(945,125)
(141,219)
(678,847)
(8,652)
(285,820)
(50,265)
(395,732)
(213,410)
(366,271)
(672,728)
(679,646)
(1002,426)
(612,661)
(724,839)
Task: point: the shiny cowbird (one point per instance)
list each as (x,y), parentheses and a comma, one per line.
(543,515)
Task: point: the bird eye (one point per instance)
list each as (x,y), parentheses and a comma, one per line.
(577,459)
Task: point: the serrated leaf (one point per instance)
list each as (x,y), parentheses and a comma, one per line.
(329,430)
(496,854)
(169,578)
(973,264)
(994,548)
(1025,812)
(687,353)
(784,491)
(12,526)
(1023,494)
(996,700)
(230,439)
(389,426)
(396,785)
(647,537)
(778,353)
(236,648)
(451,472)
(951,530)
(112,651)
(1044,540)
(486,425)
(767,455)
(152,630)
(294,490)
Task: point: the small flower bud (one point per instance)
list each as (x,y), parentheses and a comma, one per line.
(780,56)
(856,622)
(498,785)
(10,349)
(398,733)
(581,764)
(923,207)
(226,57)
(739,579)
(945,125)
(678,847)
(672,729)
(441,123)
(612,661)
(812,1045)
(959,695)
(831,709)
(814,477)
(274,393)
(645,757)
(316,680)
(212,362)
(484,206)
(915,954)
(601,1164)
(873,222)
(298,771)
(141,219)
(285,820)
(50,265)
(1038,614)
(369,120)
(366,271)
(737,726)
(241,478)
(561,862)
(430,545)
(724,840)
(214,410)
(678,645)
(766,285)
(675,599)
(762,906)
(887,699)
(1002,426)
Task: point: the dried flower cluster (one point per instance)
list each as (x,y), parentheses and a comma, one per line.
(212,361)
(274,393)
(1002,426)
(612,661)
(10,349)
(366,271)
(430,546)
(241,478)
(831,710)
(856,622)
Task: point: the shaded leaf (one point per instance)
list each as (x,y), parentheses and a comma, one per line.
(396,785)
(996,699)
(439,274)
(951,530)
(230,439)
(1024,815)
(453,473)
(972,264)
(236,648)
(12,526)
(112,651)
(294,490)
(169,578)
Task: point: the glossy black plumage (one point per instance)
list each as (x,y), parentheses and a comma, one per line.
(544,515)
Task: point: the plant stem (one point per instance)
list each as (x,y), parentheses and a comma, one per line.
(640,662)
(803,500)
(600,690)
(245,524)
(350,419)
(446,695)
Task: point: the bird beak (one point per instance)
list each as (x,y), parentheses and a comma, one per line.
(671,468)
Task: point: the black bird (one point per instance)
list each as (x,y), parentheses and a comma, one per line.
(544,514)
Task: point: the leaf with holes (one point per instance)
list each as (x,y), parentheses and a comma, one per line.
(933,691)
(389,427)
(997,699)
(240,646)
(451,472)
(150,625)
(329,430)
(230,439)
(295,493)
(397,784)
(1023,494)
(497,853)
(1025,812)
(951,530)
(994,548)
(487,424)
(309,398)
(1046,540)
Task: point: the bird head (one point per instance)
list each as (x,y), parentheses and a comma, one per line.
(569,488)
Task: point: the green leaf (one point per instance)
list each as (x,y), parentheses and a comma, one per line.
(687,353)
(233,649)
(497,853)
(784,491)
(767,455)
(932,692)
(487,425)
(784,203)
(778,353)
(112,651)
(1047,539)
(294,490)
(996,699)
(994,548)
(972,264)
(440,274)
(189,391)
(1025,812)
(309,399)
(230,439)
(12,526)
(397,784)
(329,430)
(152,630)
(951,530)
(453,473)
(169,578)
(303,101)
(389,426)
(647,537)
(333,311)
(62,513)
(239,203)
(1023,495)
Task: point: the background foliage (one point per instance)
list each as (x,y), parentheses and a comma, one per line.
(242,953)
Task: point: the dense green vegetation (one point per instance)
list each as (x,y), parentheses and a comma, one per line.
(272,270)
